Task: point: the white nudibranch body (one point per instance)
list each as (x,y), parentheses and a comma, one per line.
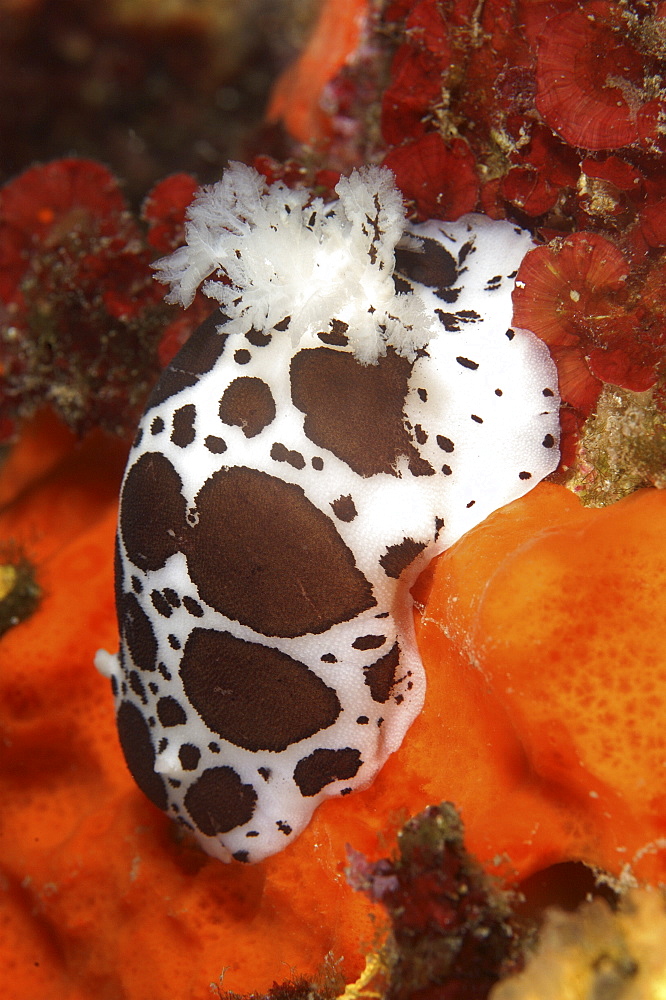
(357,403)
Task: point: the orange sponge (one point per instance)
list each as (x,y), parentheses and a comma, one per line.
(546,623)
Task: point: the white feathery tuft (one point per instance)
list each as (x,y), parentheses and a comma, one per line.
(267,252)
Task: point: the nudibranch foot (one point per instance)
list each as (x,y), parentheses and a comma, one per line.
(356,403)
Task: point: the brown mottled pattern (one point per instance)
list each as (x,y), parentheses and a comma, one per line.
(139,754)
(218,801)
(255,532)
(137,631)
(183,425)
(344,508)
(369,641)
(256,556)
(398,557)
(247,403)
(354,410)
(321,767)
(431,265)
(170,712)
(254,696)
(380,675)
(152,485)
(196,357)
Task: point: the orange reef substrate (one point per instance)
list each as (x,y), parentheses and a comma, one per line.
(543,641)
(336,36)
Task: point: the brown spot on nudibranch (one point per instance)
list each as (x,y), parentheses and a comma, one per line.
(137,747)
(170,712)
(218,801)
(200,352)
(254,696)
(280,453)
(445,443)
(321,767)
(136,629)
(192,606)
(189,757)
(380,676)
(153,485)
(355,410)
(256,556)
(247,403)
(398,557)
(258,338)
(215,445)
(136,685)
(183,425)
(344,508)
(196,357)
(368,641)
(430,264)
(337,335)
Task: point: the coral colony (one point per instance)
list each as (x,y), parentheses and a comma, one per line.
(357,403)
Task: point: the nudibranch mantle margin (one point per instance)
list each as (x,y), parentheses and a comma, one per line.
(356,403)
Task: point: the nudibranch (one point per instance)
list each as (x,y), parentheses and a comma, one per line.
(356,403)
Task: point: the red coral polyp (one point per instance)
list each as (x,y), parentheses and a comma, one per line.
(419,73)
(85,312)
(562,286)
(416,86)
(575,294)
(593,85)
(426,26)
(438,178)
(45,204)
(49,192)
(563,294)
(653,223)
(164,211)
(540,173)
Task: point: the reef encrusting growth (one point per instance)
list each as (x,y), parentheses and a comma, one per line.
(19,590)
(83,327)
(596,952)
(622,446)
(454,930)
